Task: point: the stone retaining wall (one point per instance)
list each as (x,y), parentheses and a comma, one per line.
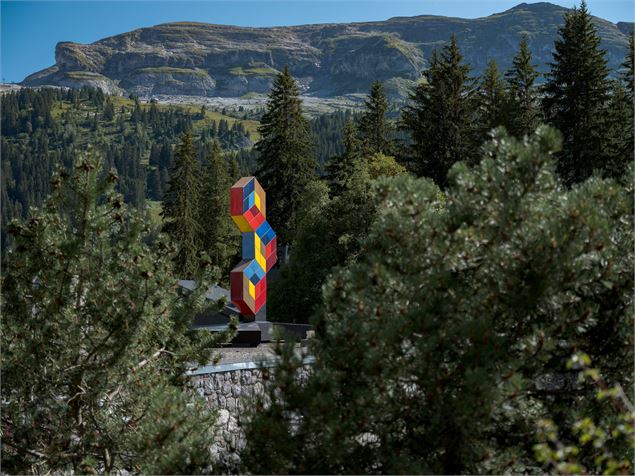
(227,389)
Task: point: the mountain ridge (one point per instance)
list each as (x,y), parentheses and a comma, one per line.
(328,59)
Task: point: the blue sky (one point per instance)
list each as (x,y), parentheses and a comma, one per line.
(30,30)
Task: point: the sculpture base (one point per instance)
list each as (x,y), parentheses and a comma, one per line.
(265,330)
(251,330)
(250,333)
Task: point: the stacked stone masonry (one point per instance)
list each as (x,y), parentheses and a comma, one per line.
(228,393)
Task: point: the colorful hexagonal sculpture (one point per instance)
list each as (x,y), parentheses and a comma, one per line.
(248,280)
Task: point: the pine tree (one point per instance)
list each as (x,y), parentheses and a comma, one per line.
(374,127)
(95,341)
(286,162)
(620,139)
(165,157)
(575,98)
(164,177)
(155,153)
(338,223)
(220,240)
(618,142)
(108,113)
(153,186)
(628,66)
(153,114)
(439,116)
(491,99)
(137,112)
(181,208)
(431,345)
(337,217)
(523,109)
(340,169)
(233,168)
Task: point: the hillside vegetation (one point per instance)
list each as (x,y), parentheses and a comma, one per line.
(48,128)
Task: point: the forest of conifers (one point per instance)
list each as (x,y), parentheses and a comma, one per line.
(465,259)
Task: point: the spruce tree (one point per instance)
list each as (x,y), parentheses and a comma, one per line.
(181,208)
(340,169)
(154,189)
(523,109)
(620,126)
(491,99)
(234,169)
(108,112)
(576,92)
(220,240)
(440,116)
(619,141)
(628,67)
(95,340)
(374,127)
(165,156)
(286,162)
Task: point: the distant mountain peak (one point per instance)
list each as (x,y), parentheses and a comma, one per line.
(538,6)
(202,59)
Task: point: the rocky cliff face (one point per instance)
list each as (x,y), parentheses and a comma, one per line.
(328,60)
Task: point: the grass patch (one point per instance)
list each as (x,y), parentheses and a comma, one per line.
(58,108)
(154,207)
(257,71)
(171,70)
(84,75)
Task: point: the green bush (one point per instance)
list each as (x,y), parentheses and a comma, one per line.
(430,345)
(96,339)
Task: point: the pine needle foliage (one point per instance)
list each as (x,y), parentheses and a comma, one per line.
(340,169)
(575,96)
(620,141)
(96,340)
(491,99)
(440,116)
(220,237)
(374,127)
(523,108)
(181,208)
(286,161)
(628,67)
(429,345)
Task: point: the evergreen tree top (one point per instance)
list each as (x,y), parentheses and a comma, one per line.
(181,204)
(577,55)
(453,58)
(628,66)
(576,94)
(286,162)
(284,110)
(492,72)
(447,67)
(374,127)
(522,72)
(351,143)
(376,100)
